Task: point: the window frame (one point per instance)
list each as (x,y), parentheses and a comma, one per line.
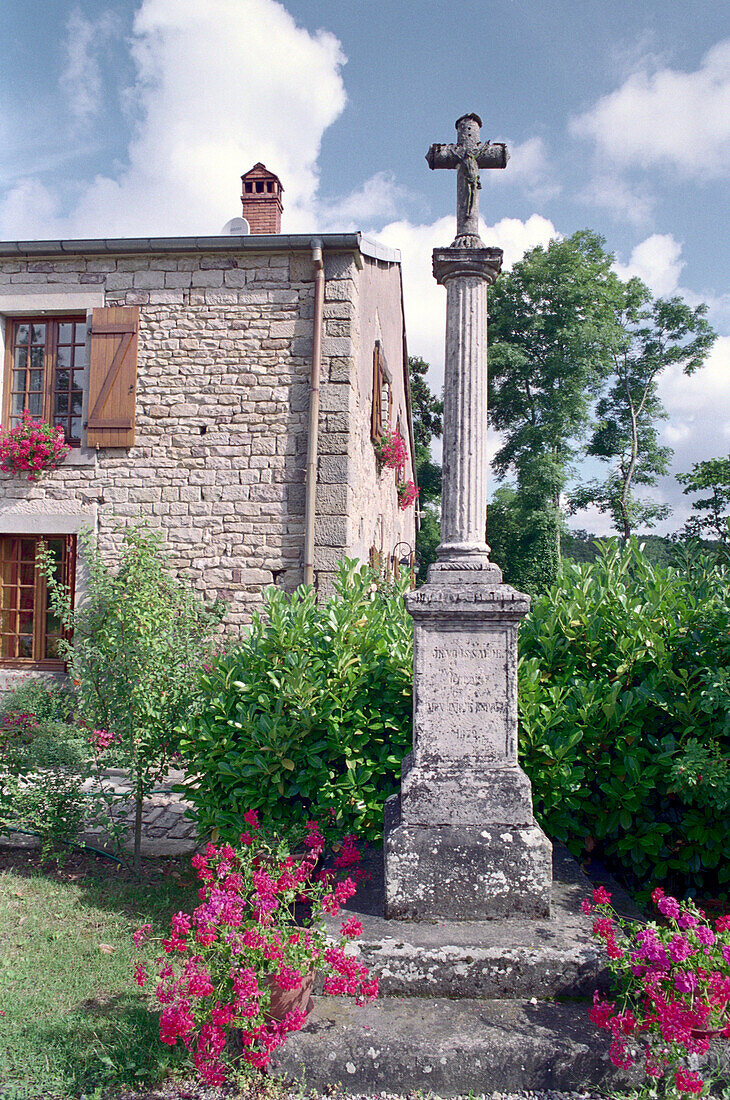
(50,366)
(381,381)
(40,600)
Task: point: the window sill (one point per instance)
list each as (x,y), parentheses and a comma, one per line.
(80,456)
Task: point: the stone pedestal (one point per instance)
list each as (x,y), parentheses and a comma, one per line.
(460,840)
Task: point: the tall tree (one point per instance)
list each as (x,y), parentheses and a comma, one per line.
(714,518)
(656,334)
(426,413)
(553,330)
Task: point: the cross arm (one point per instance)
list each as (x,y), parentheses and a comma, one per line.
(488,155)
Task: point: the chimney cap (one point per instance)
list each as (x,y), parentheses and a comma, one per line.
(260,171)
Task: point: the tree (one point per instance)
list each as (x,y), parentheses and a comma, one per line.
(656,334)
(137,643)
(712,474)
(426,413)
(553,329)
(522,538)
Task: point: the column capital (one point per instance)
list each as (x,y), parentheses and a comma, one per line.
(450,263)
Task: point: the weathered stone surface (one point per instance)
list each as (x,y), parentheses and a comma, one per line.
(483,872)
(448,1048)
(468,155)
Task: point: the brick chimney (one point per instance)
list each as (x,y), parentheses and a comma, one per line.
(261,199)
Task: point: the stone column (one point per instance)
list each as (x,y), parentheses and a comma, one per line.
(461,841)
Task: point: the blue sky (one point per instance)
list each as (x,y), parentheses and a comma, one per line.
(138,116)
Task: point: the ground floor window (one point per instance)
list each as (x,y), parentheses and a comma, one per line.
(30,632)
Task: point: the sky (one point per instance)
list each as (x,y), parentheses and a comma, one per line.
(138,117)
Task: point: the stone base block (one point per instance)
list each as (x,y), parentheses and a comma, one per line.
(464,872)
(435,791)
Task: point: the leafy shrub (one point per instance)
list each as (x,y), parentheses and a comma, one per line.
(311,716)
(138,641)
(39,792)
(625,715)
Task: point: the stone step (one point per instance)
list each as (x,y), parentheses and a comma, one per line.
(508,958)
(448,1047)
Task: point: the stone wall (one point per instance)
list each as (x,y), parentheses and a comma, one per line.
(221,418)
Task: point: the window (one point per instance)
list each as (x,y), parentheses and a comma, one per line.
(382,396)
(45,364)
(30,632)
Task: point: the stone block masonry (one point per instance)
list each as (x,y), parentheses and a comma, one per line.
(223,377)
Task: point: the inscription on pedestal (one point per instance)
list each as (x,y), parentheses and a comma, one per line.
(464,695)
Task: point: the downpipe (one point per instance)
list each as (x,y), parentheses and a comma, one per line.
(310,486)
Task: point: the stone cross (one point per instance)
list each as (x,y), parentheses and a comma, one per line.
(461,841)
(468,155)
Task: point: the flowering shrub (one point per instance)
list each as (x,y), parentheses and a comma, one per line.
(31,447)
(675,988)
(391,449)
(222,962)
(407,494)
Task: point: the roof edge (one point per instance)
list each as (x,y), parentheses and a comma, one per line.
(257,242)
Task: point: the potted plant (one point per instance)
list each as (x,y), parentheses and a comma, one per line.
(391,450)
(31,447)
(241,965)
(674,989)
(407,494)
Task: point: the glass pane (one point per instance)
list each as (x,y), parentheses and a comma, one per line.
(55,547)
(80,336)
(36,357)
(76,398)
(27,550)
(63,357)
(27,599)
(21,334)
(52,647)
(19,380)
(18,403)
(26,622)
(80,355)
(27,573)
(25,646)
(39,334)
(36,380)
(75,428)
(35,404)
(12,621)
(53,623)
(7,647)
(62,379)
(65,334)
(21,357)
(61,404)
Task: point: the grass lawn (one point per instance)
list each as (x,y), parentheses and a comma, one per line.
(73,1022)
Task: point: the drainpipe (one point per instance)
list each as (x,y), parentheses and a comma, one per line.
(310,488)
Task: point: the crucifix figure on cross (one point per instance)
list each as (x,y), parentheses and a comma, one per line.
(468,155)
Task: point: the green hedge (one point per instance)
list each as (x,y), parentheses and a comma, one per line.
(625,715)
(311,716)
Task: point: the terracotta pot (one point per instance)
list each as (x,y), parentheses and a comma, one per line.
(288,1000)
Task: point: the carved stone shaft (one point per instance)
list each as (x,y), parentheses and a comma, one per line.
(466,274)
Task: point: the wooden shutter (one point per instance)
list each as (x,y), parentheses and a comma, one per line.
(376,424)
(113,376)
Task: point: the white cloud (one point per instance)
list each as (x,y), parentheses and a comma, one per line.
(219,86)
(81,79)
(378,198)
(425,300)
(656,261)
(680,120)
(529,169)
(611,192)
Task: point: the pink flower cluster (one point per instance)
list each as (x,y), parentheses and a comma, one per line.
(675,979)
(407,494)
(391,449)
(31,447)
(100,740)
(223,962)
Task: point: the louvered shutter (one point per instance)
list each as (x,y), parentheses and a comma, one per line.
(376,424)
(113,376)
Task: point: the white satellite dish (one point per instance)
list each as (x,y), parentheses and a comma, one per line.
(236,227)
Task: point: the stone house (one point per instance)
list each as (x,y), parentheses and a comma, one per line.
(226,389)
